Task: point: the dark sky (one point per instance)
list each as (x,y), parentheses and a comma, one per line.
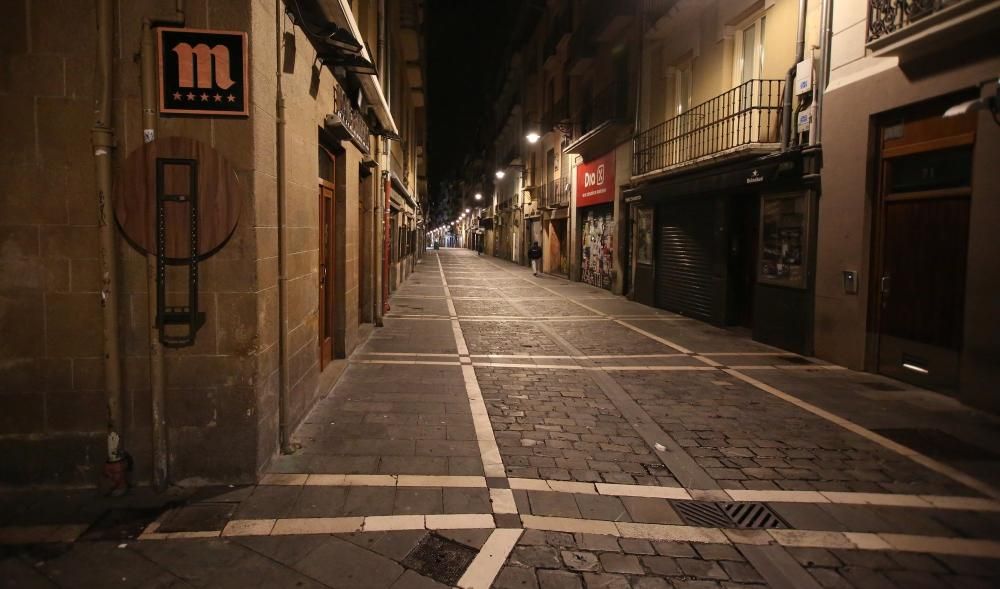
(466,43)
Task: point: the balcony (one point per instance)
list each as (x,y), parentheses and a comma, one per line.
(347,122)
(553,194)
(748,117)
(916,28)
(601,122)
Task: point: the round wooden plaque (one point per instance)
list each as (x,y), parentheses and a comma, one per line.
(185,166)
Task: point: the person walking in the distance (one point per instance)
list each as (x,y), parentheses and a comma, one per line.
(479,247)
(535,255)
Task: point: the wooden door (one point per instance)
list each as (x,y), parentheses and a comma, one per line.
(922,265)
(326,261)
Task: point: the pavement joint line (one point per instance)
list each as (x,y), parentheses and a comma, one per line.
(487,564)
(926,461)
(489,451)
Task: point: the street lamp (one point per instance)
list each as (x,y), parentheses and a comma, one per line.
(500,174)
(479,196)
(468,211)
(532,137)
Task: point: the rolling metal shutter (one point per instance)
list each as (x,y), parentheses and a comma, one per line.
(684,259)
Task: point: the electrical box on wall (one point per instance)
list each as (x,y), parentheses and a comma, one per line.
(803,76)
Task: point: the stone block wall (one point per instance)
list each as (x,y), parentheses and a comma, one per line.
(52,403)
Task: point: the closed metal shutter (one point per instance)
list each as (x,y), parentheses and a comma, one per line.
(684,259)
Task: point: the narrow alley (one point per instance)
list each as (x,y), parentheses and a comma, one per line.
(537,433)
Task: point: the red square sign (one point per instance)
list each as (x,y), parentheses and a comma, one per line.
(595,181)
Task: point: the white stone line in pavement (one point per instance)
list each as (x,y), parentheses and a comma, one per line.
(341,525)
(489,451)
(930,463)
(406,362)
(787,538)
(417,355)
(503,501)
(790,367)
(373,480)
(486,566)
(767,496)
(934,465)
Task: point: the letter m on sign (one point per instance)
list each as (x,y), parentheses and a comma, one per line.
(203,72)
(198,61)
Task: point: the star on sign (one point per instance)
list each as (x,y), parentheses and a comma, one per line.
(190,95)
(204,97)
(177,95)
(231,98)
(218,97)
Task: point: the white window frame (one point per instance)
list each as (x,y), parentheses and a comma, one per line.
(759,24)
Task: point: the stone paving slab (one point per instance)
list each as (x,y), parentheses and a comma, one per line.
(557,424)
(745,438)
(700,337)
(503,337)
(606,338)
(409,335)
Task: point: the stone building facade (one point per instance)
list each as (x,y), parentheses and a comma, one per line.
(258,363)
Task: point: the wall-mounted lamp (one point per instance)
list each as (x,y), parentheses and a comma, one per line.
(479,196)
(501,173)
(532,137)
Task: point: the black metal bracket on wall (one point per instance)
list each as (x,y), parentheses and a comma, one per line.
(185,315)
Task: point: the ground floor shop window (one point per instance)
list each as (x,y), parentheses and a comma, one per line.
(784,227)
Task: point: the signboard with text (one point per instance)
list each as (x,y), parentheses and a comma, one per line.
(595,181)
(203,72)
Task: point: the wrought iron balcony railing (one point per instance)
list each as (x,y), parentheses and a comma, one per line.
(747,115)
(351,119)
(609,104)
(553,194)
(888,16)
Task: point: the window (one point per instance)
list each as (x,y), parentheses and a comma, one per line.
(682,88)
(749,46)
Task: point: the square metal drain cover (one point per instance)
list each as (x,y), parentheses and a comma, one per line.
(728,514)
(118,525)
(440,559)
(937,444)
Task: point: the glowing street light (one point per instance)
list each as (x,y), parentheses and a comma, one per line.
(467,211)
(500,174)
(532,137)
(479,196)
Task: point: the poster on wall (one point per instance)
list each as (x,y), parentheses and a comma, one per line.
(597,235)
(644,236)
(784,236)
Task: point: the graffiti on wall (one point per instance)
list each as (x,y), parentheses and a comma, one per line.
(598,229)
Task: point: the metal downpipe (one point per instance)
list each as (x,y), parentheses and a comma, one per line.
(823,75)
(157,374)
(284,400)
(103,140)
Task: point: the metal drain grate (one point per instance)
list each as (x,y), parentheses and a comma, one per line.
(756,516)
(440,559)
(749,515)
(702,513)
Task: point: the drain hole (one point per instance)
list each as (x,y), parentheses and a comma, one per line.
(756,516)
(440,559)
(702,513)
(750,515)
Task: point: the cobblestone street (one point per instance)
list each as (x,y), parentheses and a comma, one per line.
(534,433)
